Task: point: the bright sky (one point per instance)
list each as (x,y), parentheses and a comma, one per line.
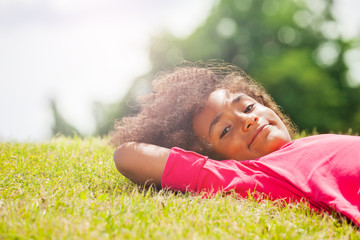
(77,52)
(86,50)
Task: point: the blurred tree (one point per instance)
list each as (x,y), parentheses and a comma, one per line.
(105,115)
(60,125)
(293,47)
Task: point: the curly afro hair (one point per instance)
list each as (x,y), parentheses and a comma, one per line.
(165,117)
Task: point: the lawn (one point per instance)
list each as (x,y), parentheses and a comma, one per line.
(68,188)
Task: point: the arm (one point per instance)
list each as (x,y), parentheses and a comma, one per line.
(141,163)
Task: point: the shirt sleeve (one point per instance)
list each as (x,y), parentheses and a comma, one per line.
(189,171)
(182,169)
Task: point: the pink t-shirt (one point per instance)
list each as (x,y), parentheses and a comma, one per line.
(322,169)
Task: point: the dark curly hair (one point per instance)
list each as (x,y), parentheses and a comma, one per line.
(165,117)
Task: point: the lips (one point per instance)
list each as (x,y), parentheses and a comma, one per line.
(259,130)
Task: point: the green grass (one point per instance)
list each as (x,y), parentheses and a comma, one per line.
(69,189)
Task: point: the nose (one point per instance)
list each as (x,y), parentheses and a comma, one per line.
(248,122)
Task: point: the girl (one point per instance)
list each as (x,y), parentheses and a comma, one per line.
(220,112)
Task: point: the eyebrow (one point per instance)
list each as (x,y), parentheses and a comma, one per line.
(214,122)
(237,98)
(217,118)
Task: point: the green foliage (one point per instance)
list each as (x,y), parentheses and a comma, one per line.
(68,188)
(291,47)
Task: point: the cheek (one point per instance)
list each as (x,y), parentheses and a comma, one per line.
(279,136)
(280,131)
(282,127)
(233,147)
(265,113)
(272,116)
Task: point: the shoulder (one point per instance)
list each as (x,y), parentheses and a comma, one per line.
(323,139)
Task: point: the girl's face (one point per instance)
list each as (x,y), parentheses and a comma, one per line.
(239,127)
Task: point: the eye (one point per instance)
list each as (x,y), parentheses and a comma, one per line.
(249,108)
(225,131)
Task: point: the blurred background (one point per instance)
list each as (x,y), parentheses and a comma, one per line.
(73,67)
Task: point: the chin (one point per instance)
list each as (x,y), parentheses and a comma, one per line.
(276,144)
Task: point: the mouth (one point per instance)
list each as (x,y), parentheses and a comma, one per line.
(257,132)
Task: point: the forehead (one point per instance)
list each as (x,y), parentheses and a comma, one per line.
(219,98)
(216,99)
(214,104)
